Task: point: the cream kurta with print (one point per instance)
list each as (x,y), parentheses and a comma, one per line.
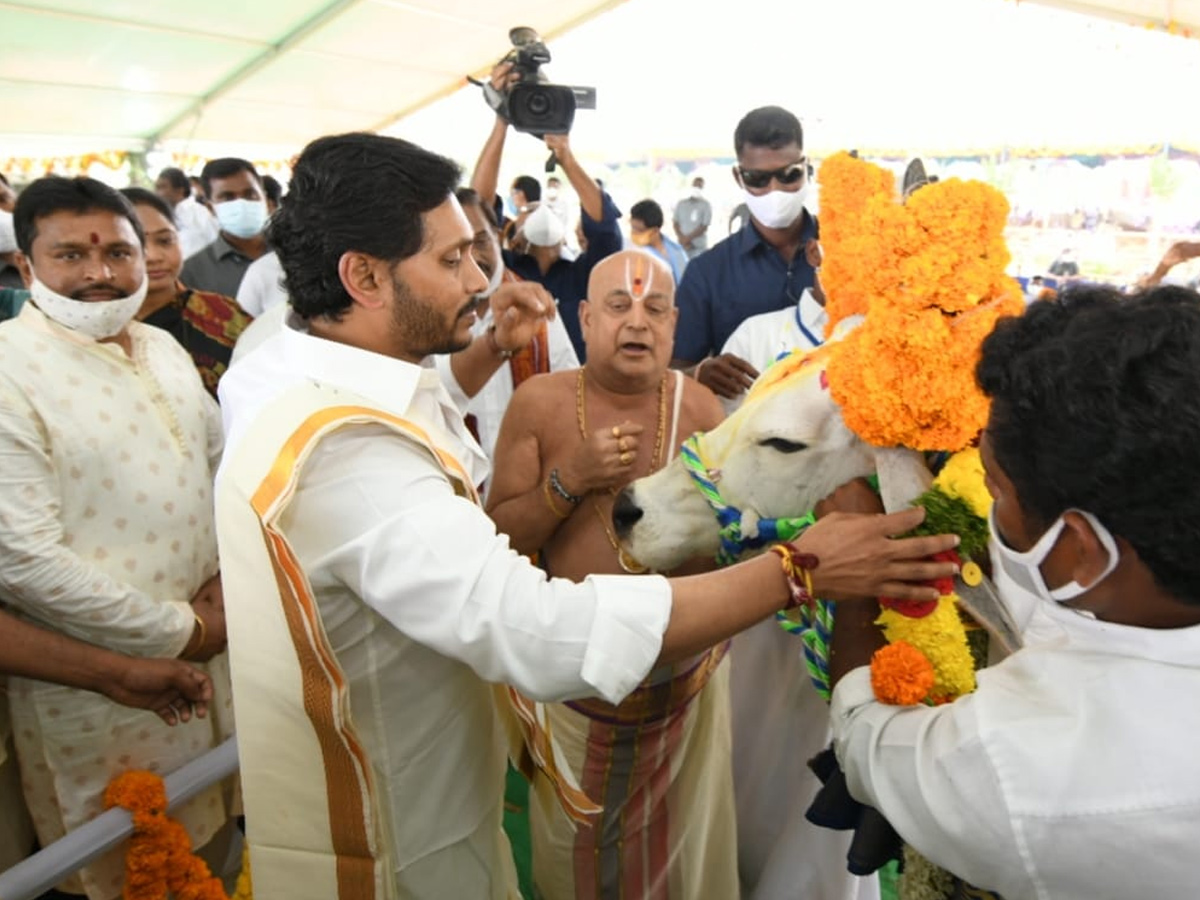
(106,533)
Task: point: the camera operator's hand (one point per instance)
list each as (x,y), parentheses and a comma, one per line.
(503,77)
(560,144)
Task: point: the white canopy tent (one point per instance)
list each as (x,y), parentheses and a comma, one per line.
(132,74)
(262,78)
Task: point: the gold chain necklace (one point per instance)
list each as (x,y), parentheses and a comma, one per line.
(626,562)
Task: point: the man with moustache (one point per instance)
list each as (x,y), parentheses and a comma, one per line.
(372,603)
(109,444)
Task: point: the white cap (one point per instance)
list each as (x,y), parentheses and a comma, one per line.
(543,227)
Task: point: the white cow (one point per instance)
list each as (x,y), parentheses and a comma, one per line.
(777,456)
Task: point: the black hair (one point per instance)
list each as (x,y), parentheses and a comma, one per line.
(648,213)
(528,185)
(768,126)
(177,179)
(470,197)
(1096,406)
(137,195)
(224,168)
(54,193)
(353,192)
(4,181)
(272,189)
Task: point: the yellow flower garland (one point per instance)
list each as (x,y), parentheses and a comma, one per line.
(940,636)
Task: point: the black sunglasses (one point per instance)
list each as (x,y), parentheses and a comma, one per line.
(760,178)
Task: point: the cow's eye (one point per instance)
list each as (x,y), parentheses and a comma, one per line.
(783,445)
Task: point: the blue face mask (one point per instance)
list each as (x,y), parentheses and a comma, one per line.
(242,218)
(510,208)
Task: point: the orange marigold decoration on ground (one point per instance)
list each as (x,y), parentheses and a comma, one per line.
(930,276)
(160,857)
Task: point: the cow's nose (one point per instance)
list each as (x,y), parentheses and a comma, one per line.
(625,513)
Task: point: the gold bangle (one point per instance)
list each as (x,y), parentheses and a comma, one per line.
(203,633)
(550,500)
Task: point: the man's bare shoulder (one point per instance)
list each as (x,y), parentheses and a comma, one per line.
(539,401)
(701,409)
(546,387)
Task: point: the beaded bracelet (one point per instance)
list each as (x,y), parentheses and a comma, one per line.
(558,488)
(550,500)
(797,569)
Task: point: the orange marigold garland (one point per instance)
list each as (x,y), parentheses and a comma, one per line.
(160,857)
(930,276)
(901,674)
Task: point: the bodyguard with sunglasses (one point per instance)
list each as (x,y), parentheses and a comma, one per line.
(762,268)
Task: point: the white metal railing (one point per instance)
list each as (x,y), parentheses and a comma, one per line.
(37,874)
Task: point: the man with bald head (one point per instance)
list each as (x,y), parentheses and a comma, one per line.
(658,761)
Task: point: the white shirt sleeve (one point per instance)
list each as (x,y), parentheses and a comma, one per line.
(928,771)
(42,577)
(393,532)
(252,292)
(741,345)
(562,351)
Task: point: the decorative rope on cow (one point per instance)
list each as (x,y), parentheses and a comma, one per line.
(812,624)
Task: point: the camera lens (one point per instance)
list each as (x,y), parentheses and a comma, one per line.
(538,104)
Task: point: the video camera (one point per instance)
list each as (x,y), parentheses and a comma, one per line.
(533,105)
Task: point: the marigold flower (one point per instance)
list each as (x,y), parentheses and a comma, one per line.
(160,857)
(901,674)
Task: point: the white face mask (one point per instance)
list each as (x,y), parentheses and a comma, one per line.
(97,319)
(696,193)
(242,218)
(498,273)
(543,228)
(1024,569)
(777,209)
(551,193)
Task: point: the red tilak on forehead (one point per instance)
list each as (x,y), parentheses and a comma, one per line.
(95,238)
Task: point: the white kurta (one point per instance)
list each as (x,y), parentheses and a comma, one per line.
(779,720)
(106,532)
(424,603)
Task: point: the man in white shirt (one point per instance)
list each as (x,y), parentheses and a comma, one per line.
(262,285)
(371,600)
(197,226)
(693,215)
(109,443)
(1071,770)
